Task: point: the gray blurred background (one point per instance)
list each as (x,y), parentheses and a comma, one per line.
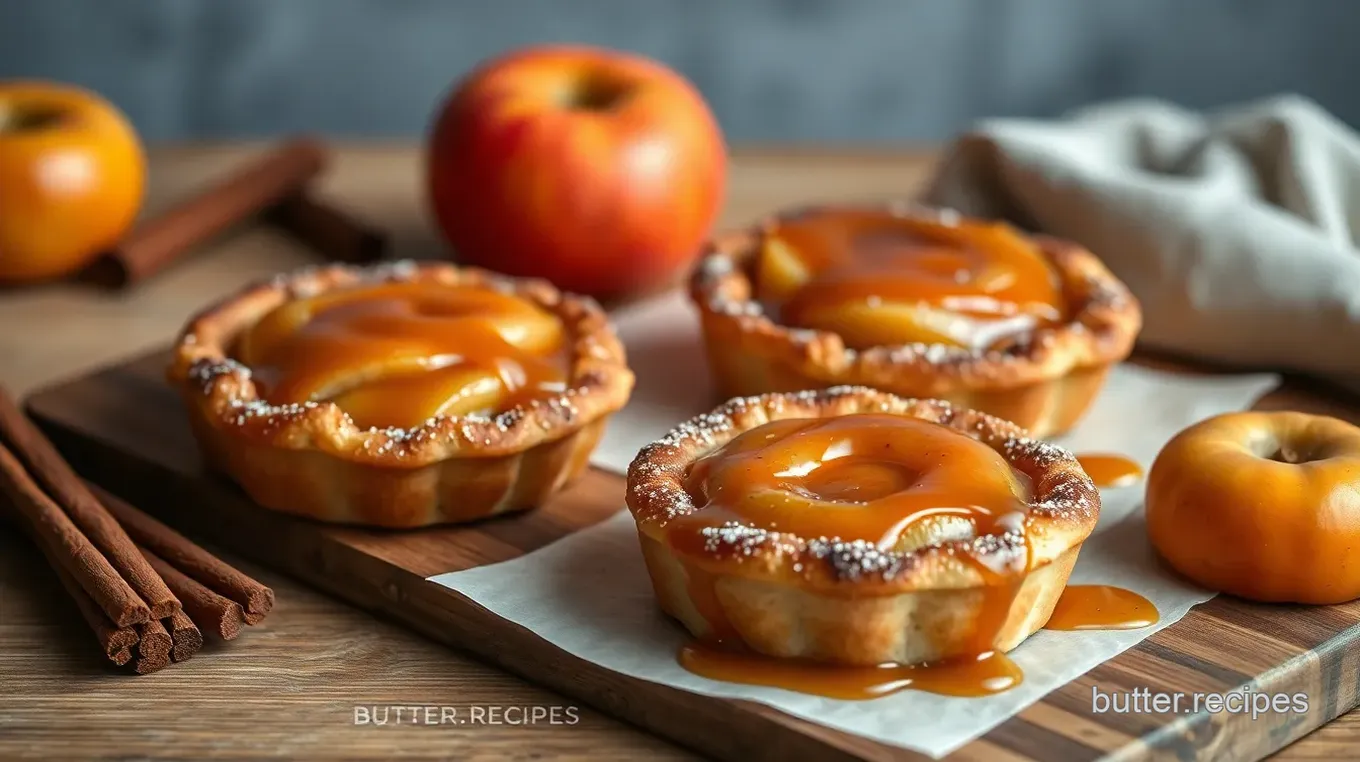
(827,71)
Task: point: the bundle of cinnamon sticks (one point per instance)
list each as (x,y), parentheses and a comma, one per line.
(147,592)
(277,185)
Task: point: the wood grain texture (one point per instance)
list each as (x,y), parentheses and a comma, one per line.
(104,425)
(286,688)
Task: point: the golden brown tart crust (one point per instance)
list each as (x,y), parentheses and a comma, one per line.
(850,602)
(312,459)
(1044,382)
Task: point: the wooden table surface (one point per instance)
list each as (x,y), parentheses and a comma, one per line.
(291,687)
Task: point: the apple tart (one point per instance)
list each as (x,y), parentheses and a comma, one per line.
(918,302)
(854,527)
(401,395)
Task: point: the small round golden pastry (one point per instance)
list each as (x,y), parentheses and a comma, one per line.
(918,302)
(400,395)
(1262,505)
(854,527)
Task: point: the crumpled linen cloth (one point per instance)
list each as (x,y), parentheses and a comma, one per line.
(1237,230)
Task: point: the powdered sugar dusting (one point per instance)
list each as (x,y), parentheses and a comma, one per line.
(715,266)
(741,539)
(858,559)
(1044,455)
(736,308)
(932,354)
(206,373)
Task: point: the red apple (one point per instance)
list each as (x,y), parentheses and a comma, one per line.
(597,170)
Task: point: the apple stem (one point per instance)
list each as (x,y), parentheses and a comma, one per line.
(598,92)
(27,119)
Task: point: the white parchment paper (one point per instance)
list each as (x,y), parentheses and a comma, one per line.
(590,595)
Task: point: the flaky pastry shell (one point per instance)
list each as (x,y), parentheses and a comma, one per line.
(1044,383)
(849,602)
(311,458)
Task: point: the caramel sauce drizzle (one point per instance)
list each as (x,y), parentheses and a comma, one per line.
(397,354)
(899,483)
(1110,470)
(1081,607)
(983,675)
(1101,607)
(880,279)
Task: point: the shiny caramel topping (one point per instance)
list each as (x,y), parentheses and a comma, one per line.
(879,279)
(893,481)
(397,354)
(1110,470)
(1081,607)
(1101,607)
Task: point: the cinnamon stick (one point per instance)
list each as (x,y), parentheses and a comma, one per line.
(152,245)
(323,227)
(153,648)
(255,599)
(67,491)
(185,635)
(210,611)
(67,549)
(117,642)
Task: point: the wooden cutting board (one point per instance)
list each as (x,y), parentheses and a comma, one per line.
(124,428)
